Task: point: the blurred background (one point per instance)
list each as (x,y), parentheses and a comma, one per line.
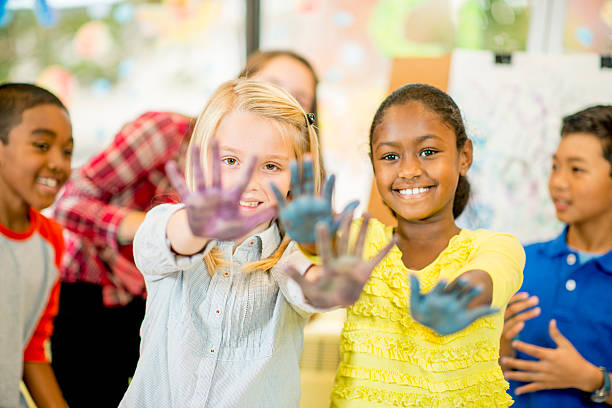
(514,67)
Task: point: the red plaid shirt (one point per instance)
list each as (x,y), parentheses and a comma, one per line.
(128,175)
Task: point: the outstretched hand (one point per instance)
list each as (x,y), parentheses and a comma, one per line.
(344,272)
(444,309)
(213,212)
(555,368)
(300,216)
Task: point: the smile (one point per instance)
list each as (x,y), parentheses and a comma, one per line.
(415,192)
(561,205)
(249,203)
(49,182)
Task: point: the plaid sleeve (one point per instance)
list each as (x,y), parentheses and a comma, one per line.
(141,146)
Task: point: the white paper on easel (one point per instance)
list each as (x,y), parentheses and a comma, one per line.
(513,115)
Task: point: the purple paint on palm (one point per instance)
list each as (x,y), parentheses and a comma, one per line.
(213,212)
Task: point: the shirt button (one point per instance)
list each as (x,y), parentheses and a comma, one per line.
(570,285)
(217,311)
(226,274)
(212,350)
(571,259)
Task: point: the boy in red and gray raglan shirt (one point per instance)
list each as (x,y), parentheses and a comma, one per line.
(35,154)
(29,296)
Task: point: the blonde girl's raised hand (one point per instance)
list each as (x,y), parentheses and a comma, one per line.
(213,212)
(343,272)
(445,308)
(300,215)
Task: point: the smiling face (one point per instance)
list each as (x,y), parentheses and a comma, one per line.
(35,163)
(416,162)
(242,136)
(580,183)
(293,76)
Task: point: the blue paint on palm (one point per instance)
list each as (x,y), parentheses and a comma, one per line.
(444,309)
(300,215)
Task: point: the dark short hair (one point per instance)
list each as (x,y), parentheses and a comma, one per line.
(442,104)
(257,60)
(595,120)
(15,98)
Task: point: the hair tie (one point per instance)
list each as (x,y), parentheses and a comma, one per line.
(310,119)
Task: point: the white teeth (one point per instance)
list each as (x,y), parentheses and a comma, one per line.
(413,191)
(249,203)
(49,182)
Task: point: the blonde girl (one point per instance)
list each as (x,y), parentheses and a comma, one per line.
(223,325)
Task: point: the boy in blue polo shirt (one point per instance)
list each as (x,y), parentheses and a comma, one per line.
(563,355)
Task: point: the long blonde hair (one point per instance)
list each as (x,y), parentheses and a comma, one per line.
(267,101)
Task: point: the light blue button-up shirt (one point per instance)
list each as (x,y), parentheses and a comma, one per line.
(230,340)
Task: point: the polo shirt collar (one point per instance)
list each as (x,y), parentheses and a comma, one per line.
(605,261)
(558,247)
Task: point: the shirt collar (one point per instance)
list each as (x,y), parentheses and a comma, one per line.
(267,240)
(558,247)
(605,261)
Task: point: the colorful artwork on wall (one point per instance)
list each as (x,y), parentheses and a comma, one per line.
(513,115)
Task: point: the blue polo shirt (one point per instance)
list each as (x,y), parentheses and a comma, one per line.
(579,296)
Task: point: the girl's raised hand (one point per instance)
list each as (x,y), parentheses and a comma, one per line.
(300,216)
(343,272)
(213,212)
(444,309)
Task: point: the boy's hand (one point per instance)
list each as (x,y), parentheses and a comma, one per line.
(344,273)
(300,216)
(444,309)
(514,320)
(211,211)
(562,367)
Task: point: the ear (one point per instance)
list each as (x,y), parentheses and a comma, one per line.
(465,157)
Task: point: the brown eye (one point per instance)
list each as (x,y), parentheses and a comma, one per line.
(428,152)
(390,156)
(41,146)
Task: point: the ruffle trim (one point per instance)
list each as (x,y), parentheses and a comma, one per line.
(401,317)
(489,376)
(392,271)
(428,358)
(378,288)
(480,395)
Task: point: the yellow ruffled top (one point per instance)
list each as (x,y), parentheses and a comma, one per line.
(390,360)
